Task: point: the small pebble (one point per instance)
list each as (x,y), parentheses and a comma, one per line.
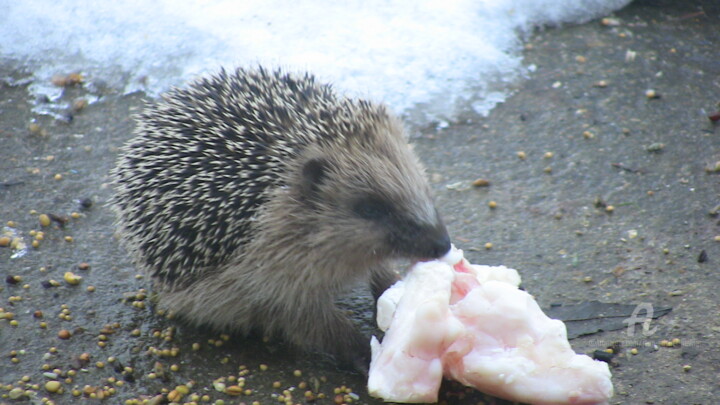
(702,257)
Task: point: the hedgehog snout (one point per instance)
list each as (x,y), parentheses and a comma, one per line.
(436,242)
(420,241)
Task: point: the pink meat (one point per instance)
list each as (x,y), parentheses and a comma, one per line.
(472,324)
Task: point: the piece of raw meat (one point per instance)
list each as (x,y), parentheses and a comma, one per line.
(472,324)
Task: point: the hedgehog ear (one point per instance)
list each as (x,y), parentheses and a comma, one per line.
(314,172)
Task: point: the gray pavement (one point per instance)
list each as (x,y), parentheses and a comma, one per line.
(592,138)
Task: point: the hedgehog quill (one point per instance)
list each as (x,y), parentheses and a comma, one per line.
(255,197)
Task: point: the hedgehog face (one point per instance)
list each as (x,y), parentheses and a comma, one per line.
(375,196)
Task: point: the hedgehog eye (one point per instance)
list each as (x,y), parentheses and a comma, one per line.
(313,174)
(314,171)
(372,209)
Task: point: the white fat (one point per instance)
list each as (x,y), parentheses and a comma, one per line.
(453,256)
(472,324)
(387,303)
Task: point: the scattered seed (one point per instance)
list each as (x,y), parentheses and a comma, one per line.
(35,129)
(44,220)
(610,22)
(488,246)
(174,396)
(548,155)
(64,334)
(633,351)
(521,155)
(16,393)
(58,176)
(13,279)
(5,241)
(79,104)
(53,386)
(687,368)
(609,208)
(492,204)
(481,183)
(601,84)
(652,94)
(71,278)
(587,279)
(655,147)
(83,266)
(588,135)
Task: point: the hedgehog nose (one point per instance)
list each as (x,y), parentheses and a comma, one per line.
(441,244)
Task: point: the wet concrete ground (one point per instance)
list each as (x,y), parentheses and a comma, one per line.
(591,138)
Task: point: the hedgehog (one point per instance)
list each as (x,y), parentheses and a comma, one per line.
(255,198)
